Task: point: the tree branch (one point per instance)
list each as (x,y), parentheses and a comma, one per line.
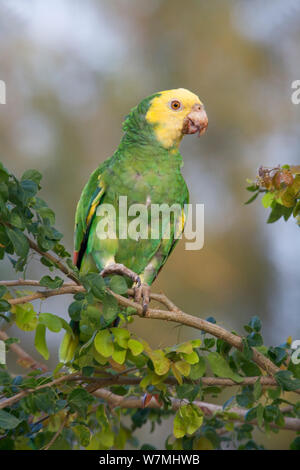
(25,360)
(120,379)
(209,409)
(61,266)
(174,314)
(206,381)
(178,316)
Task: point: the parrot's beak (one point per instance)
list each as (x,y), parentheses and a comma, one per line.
(195,121)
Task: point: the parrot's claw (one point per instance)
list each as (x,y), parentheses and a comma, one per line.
(142,293)
(117,268)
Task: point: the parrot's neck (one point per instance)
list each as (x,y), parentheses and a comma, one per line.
(140,142)
(150,152)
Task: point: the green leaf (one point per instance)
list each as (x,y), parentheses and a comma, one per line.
(104,343)
(83,433)
(285,379)
(19,241)
(47,214)
(4,174)
(295,368)
(53,322)
(135,347)
(179,427)
(221,368)
(187,391)
(75,310)
(257,390)
(94,283)
(46,262)
(121,336)
(110,308)
(3,290)
(267,199)
(102,440)
(187,420)
(250,368)
(160,362)
(295,445)
(15,219)
(26,317)
(119,355)
(5,378)
(47,281)
(30,189)
(118,285)
(4,305)
(247,350)
(203,444)
(255,339)
(192,358)
(209,342)
(185,348)
(198,370)
(276,213)
(79,400)
(32,175)
(183,367)
(68,347)
(255,323)
(8,421)
(246,398)
(66,326)
(260,415)
(40,341)
(252,198)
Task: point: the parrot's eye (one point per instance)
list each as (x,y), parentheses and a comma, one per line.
(175,105)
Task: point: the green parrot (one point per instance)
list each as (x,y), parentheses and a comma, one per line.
(146,168)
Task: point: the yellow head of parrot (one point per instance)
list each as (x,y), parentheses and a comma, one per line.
(174,113)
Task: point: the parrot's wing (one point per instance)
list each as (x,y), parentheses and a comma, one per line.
(89,200)
(165,248)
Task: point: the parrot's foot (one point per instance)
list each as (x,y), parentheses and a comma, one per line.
(142,293)
(117,268)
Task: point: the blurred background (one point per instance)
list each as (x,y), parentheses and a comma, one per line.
(74,69)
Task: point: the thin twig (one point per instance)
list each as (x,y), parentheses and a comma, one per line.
(10,401)
(61,427)
(56,261)
(29,282)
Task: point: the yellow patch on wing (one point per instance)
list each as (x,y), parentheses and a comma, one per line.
(167,122)
(180,225)
(94,204)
